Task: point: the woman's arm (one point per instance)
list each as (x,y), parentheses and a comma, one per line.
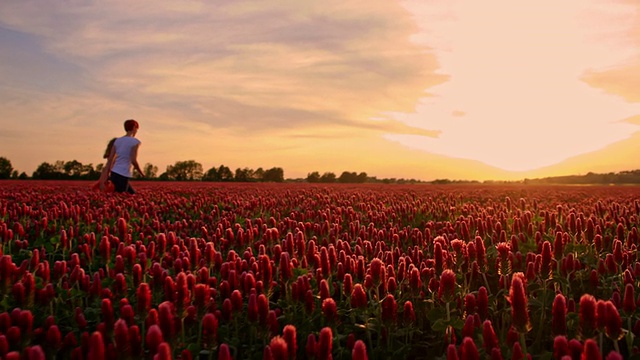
(134,159)
(107,167)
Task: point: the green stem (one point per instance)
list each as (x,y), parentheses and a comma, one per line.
(448,312)
(600,340)
(182,331)
(630,336)
(200,337)
(143,332)
(486,283)
(523,344)
(542,313)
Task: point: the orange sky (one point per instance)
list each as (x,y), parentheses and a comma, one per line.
(419,89)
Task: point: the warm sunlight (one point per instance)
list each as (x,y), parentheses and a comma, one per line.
(516,99)
(423,89)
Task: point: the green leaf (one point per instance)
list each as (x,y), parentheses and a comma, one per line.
(457,323)
(436,314)
(439,326)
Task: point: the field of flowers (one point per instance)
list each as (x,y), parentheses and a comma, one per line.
(301,271)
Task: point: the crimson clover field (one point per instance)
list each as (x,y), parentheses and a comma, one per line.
(302,271)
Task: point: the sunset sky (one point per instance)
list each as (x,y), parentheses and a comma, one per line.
(423,89)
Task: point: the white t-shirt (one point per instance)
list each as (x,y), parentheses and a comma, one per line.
(123,147)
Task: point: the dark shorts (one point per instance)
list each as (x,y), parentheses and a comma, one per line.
(121,183)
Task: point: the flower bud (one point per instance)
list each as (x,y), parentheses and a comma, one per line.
(143,295)
(121,336)
(359,351)
(325,344)
(224,353)
(209,329)
(36,353)
(591,350)
(560,347)
(613,355)
(96,349)
(408,313)
(310,347)
(613,322)
(54,338)
(278,348)
(587,315)
(558,315)
(389,309)
(272,322)
(153,338)
(516,352)
(490,339)
(330,310)
(289,335)
(164,352)
(452,352)
(135,341)
(252,308)
(447,287)
(108,316)
(468,350)
(483,302)
(263,308)
(469,328)
(358,297)
(166,319)
(518,300)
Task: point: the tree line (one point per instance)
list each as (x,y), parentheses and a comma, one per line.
(189,170)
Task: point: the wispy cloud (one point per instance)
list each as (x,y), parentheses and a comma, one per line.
(339,61)
(242,68)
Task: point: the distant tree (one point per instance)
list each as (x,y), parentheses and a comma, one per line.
(352,177)
(211,175)
(14,174)
(59,168)
(150,171)
(47,171)
(328,177)
(5,168)
(23,176)
(89,173)
(258,175)
(42,171)
(275,174)
(243,175)
(313,177)
(73,169)
(348,177)
(185,170)
(224,173)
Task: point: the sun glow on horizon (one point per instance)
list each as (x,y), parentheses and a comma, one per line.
(515,99)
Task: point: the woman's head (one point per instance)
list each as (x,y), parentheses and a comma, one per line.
(131,125)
